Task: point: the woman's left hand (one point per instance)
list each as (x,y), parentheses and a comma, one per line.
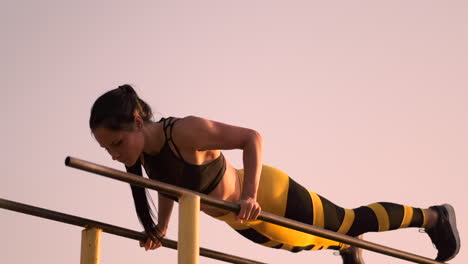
(249,210)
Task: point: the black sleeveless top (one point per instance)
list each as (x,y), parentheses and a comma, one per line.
(165,166)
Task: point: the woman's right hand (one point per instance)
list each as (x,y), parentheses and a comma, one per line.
(149,244)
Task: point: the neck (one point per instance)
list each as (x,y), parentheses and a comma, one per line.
(153,136)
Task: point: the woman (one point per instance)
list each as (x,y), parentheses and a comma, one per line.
(186,152)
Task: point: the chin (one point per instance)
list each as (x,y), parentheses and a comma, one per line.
(129,163)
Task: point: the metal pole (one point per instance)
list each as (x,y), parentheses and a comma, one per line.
(189,229)
(90,246)
(111,229)
(265,216)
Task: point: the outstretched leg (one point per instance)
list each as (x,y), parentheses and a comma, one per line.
(281,195)
(438,221)
(384,216)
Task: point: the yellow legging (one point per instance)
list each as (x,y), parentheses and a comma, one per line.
(281,195)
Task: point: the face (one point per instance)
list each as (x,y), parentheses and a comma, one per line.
(123,146)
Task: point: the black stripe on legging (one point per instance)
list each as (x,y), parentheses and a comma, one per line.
(334,247)
(297,249)
(309,247)
(278,246)
(418,218)
(334,215)
(299,204)
(395,214)
(364,221)
(253,235)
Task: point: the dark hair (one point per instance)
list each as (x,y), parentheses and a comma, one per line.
(115,110)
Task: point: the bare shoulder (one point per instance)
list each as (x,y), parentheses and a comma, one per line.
(190,120)
(186,130)
(191,124)
(200,134)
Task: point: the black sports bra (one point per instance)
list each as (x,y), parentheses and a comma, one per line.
(165,166)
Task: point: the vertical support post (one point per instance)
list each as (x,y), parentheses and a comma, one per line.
(189,218)
(90,246)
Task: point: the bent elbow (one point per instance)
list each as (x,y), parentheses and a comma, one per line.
(256,137)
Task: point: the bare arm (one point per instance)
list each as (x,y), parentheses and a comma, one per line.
(199,134)
(165,206)
(252,158)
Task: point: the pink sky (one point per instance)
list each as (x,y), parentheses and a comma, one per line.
(360,101)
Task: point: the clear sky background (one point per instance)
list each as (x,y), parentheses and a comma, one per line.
(359,101)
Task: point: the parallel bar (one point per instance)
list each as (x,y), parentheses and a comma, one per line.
(265,216)
(111,229)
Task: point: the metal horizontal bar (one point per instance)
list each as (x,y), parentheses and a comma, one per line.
(111,229)
(233,207)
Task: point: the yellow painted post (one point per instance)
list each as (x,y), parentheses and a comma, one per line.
(189,217)
(90,246)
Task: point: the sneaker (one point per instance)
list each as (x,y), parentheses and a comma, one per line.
(444,233)
(352,255)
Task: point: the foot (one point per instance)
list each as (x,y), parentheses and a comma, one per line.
(352,254)
(444,233)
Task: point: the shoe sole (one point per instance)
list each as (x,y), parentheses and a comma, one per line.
(453,226)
